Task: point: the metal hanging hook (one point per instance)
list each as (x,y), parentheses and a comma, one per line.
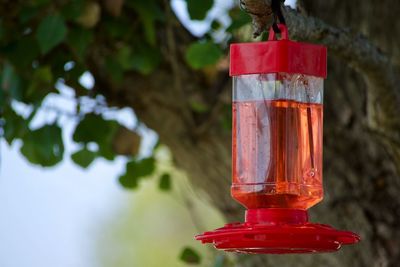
(278,15)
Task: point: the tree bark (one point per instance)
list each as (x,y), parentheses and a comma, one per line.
(360,170)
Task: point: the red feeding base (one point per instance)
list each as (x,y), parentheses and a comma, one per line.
(278,231)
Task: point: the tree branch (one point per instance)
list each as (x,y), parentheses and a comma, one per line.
(126,142)
(172,57)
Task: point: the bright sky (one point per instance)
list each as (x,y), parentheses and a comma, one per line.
(49,217)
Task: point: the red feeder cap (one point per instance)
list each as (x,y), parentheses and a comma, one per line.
(278,231)
(276,56)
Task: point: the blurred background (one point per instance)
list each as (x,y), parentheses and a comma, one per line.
(67,216)
(70,216)
(115,134)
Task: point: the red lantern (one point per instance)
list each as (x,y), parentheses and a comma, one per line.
(277,149)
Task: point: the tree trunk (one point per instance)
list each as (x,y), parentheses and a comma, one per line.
(360,177)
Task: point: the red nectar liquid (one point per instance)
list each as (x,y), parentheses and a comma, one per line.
(277,154)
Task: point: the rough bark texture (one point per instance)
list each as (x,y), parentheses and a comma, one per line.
(361,145)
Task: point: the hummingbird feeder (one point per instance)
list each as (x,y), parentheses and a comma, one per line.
(277,149)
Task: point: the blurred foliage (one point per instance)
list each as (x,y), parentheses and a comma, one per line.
(43,146)
(239,19)
(189,255)
(84,157)
(165,182)
(136,169)
(154,229)
(200,55)
(198,9)
(50,32)
(45,44)
(93,128)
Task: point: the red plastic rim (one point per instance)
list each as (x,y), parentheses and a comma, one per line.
(267,237)
(274,56)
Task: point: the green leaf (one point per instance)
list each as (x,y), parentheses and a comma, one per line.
(149,12)
(216,25)
(23,52)
(135,170)
(198,107)
(79,39)
(189,255)
(128,182)
(83,157)
(239,19)
(165,182)
(27,13)
(40,86)
(200,55)
(115,69)
(143,59)
(93,128)
(106,151)
(73,9)
(44,146)
(150,32)
(146,59)
(15,126)
(198,9)
(124,57)
(141,168)
(117,28)
(11,82)
(51,32)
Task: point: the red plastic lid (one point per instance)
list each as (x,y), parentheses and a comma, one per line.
(278,231)
(276,56)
